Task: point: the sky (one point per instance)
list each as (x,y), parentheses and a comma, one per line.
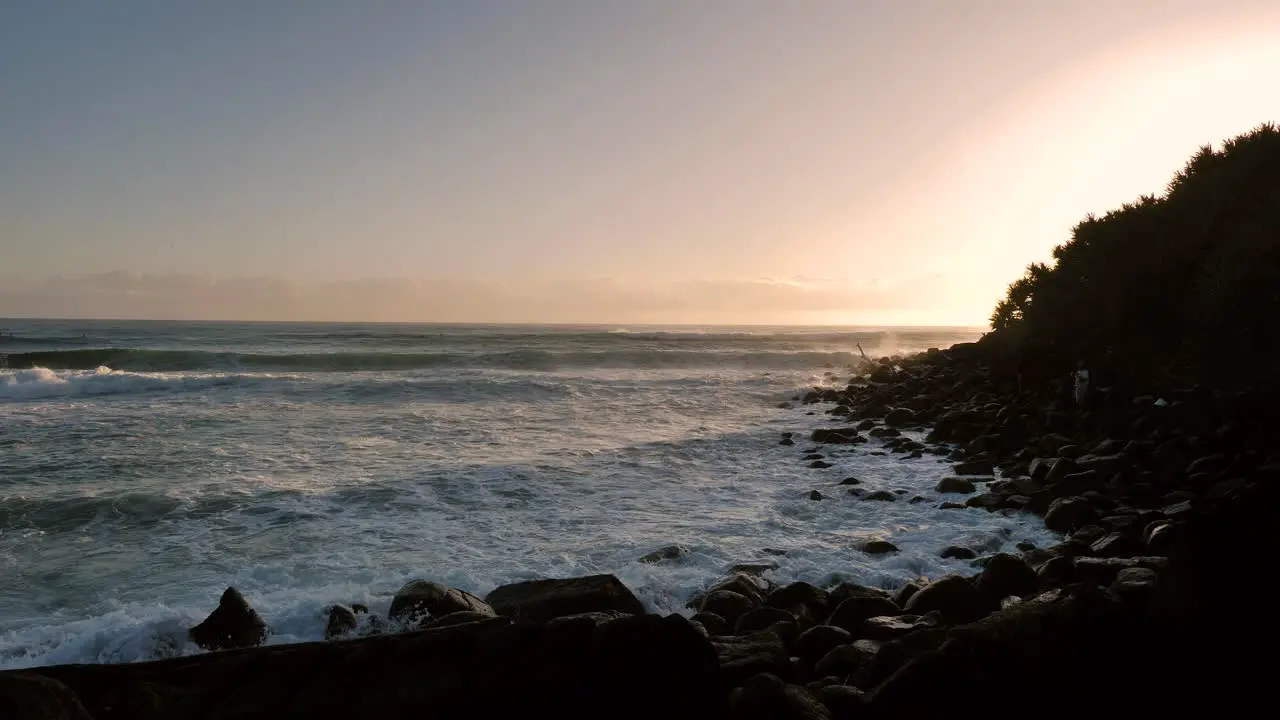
(739,161)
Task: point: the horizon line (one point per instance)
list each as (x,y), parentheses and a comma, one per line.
(974,328)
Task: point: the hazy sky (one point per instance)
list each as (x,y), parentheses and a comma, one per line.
(845,161)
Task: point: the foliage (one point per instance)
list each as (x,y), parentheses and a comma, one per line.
(1187,282)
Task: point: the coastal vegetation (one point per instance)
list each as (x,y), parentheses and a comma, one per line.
(1179,286)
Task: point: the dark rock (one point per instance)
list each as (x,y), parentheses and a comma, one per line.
(899,417)
(973,467)
(880,495)
(727,604)
(422,599)
(670,552)
(851,481)
(541,600)
(952,506)
(233,624)
(469,616)
(844,660)
(818,640)
(1115,544)
(891,627)
(742,656)
(958,553)
(24,695)
(1067,513)
(954,485)
(342,620)
(753,569)
(767,697)
(953,596)
(490,669)
(714,624)
(813,456)
(1006,575)
(1103,571)
(820,465)
(844,701)
(852,613)
(786,441)
(761,618)
(815,495)
(878,547)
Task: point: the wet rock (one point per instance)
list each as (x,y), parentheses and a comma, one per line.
(469,616)
(753,569)
(891,627)
(954,485)
(342,620)
(1006,575)
(852,613)
(786,441)
(670,552)
(541,600)
(727,604)
(820,465)
(899,417)
(952,506)
(953,596)
(422,599)
(957,553)
(233,624)
(878,547)
(812,456)
(851,481)
(714,624)
(815,495)
(1104,571)
(881,496)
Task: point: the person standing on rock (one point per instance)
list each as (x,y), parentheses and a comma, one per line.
(1081,377)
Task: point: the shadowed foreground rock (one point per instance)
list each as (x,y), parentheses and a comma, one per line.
(642,666)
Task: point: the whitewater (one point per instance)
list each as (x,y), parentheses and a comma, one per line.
(146,466)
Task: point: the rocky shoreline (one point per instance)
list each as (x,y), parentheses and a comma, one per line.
(1163,501)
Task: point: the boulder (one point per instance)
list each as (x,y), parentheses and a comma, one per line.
(541,600)
(954,485)
(953,596)
(852,613)
(742,656)
(881,496)
(767,697)
(878,547)
(233,624)
(1067,513)
(818,640)
(851,659)
(727,604)
(342,620)
(957,553)
(974,467)
(421,599)
(761,618)
(1006,575)
(670,552)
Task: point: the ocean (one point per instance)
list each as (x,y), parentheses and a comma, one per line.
(146,466)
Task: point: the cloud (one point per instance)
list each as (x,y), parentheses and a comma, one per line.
(589,300)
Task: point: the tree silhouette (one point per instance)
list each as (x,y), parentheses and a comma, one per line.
(1184,286)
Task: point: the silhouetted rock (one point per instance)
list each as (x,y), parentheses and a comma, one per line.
(233,624)
(540,600)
